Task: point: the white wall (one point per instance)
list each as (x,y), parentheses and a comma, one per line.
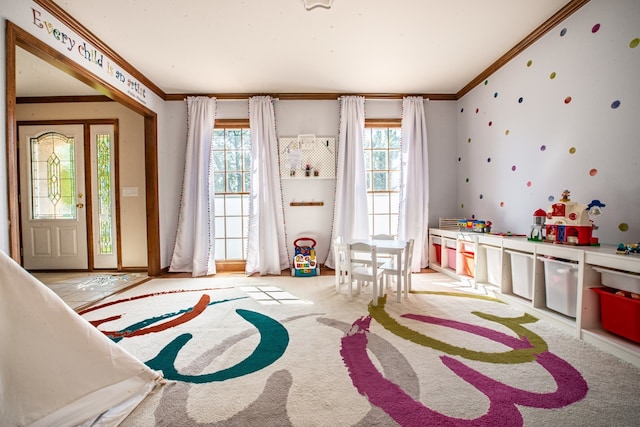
(293,118)
(322,119)
(555,143)
(171,156)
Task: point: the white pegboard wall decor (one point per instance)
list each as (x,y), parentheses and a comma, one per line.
(297,152)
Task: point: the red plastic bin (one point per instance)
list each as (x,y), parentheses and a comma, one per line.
(438,249)
(619,314)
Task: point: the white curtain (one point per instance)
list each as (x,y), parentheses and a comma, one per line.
(194,250)
(351,219)
(414,190)
(267,251)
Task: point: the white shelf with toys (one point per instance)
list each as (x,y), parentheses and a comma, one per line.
(554,279)
(502,260)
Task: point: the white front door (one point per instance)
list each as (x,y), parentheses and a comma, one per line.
(52,197)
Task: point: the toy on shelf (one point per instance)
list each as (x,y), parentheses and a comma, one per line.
(629,248)
(539,217)
(475,225)
(304,259)
(567,222)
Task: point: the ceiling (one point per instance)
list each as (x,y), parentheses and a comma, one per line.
(278,46)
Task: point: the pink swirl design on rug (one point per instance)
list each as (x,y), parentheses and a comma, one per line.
(405,410)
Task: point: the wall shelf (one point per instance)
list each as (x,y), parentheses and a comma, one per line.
(306,204)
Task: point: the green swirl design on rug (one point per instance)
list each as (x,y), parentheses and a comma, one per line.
(527,346)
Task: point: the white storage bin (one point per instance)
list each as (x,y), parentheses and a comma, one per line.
(494,265)
(521,273)
(620,280)
(561,285)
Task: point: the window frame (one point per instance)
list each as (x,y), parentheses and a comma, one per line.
(384,123)
(223,265)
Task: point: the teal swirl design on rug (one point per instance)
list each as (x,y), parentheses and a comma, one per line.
(274,340)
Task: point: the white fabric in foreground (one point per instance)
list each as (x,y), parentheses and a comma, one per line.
(414,191)
(351,219)
(194,250)
(56,369)
(267,247)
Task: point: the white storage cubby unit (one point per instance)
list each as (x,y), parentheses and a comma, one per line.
(493,265)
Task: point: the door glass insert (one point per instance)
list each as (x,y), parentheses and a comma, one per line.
(103,144)
(53,177)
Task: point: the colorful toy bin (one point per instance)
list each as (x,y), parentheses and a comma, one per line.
(304,260)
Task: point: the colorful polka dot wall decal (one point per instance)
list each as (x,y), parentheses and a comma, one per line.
(467,180)
(462,205)
(495,95)
(489,160)
(593,172)
(552,75)
(481,196)
(502,204)
(477,110)
(459,159)
(623,227)
(529,63)
(563,32)
(567,100)
(529,183)
(543,147)
(615,104)
(572,150)
(520,100)
(506,132)
(513,168)
(595,28)
(486,82)
(634,43)
(551,198)
(469,140)
(490,123)
(462,110)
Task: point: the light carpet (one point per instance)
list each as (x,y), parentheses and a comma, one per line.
(286,351)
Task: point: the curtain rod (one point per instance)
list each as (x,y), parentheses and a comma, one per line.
(314,96)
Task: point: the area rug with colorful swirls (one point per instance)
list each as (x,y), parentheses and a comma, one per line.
(290,351)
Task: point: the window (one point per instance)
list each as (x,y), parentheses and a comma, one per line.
(105,198)
(382,167)
(53,177)
(232,176)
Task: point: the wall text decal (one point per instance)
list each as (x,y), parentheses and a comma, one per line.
(56,34)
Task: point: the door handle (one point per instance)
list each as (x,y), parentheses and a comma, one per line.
(80,205)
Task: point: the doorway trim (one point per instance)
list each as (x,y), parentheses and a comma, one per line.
(15,36)
(87,124)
